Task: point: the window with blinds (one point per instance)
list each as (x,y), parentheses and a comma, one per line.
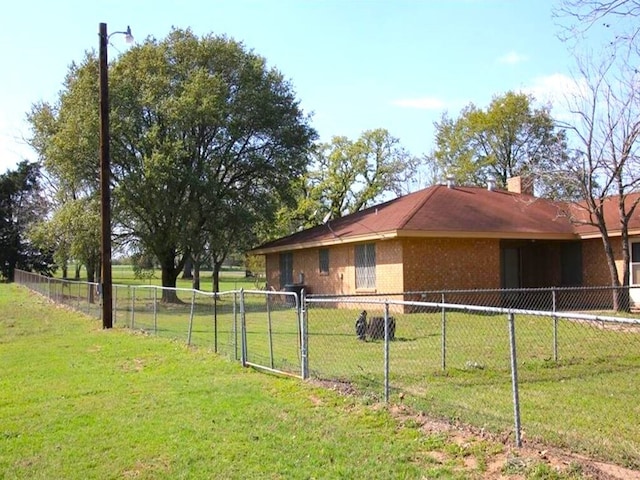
(366,266)
(286,269)
(323,260)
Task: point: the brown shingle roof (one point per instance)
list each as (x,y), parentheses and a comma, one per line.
(480,212)
(440,211)
(611,217)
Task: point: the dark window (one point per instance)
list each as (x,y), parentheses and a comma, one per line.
(366,266)
(323,260)
(511,267)
(635,263)
(286,269)
(571,264)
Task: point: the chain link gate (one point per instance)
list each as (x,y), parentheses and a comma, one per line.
(271,329)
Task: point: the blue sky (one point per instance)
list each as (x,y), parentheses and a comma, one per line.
(355,64)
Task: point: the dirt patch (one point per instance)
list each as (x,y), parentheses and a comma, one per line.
(510,461)
(490,456)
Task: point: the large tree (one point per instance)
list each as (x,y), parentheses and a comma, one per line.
(346,176)
(509,138)
(69,157)
(194,120)
(72,232)
(605,128)
(21,205)
(65,134)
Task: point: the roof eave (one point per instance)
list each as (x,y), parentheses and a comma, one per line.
(611,233)
(489,234)
(414,234)
(328,242)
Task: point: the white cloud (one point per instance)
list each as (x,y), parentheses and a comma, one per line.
(560,92)
(423,103)
(555,88)
(512,58)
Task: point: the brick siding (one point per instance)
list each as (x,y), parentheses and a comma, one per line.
(451,263)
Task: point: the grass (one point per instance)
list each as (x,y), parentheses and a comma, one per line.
(80,402)
(584,401)
(230,279)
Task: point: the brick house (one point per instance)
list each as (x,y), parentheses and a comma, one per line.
(447,237)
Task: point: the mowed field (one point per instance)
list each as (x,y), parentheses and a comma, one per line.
(585,400)
(80,402)
(77,401)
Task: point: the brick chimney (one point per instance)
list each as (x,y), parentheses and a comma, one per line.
(522,185)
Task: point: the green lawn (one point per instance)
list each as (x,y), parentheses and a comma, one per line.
(230,279)
(80,402)
(586,401)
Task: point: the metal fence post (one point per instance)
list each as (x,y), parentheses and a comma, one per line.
(215,322)
(514,378)
(386,351)
(243,329)
(115,303)
(555,329)
(133,306)
(269,328)
(190,328)
(444,335)
(88,298)
(304,339)
(155,311)
(235,325)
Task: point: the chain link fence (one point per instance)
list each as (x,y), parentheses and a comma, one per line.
(259,328)
(567,378)
(587,299)
(558,366)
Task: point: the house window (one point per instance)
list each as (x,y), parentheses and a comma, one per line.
(323,260)
(511,265)
(571,264)
(635,263)
(286,269)
(366,266)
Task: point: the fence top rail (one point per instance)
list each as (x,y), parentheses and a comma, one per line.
(270,292)
(477,308)
(159,287)
(210,294)
(60,280)
(475,291)
(378,301)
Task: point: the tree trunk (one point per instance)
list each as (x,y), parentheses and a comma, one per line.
(78,268)
(170,274)
(187,272)
(216,276)
(618,300)
(622,299)
(624,296)
(11,273)
(91,272)
(65,271)
(196,275)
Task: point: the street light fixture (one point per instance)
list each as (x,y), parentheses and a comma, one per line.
(105,177)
